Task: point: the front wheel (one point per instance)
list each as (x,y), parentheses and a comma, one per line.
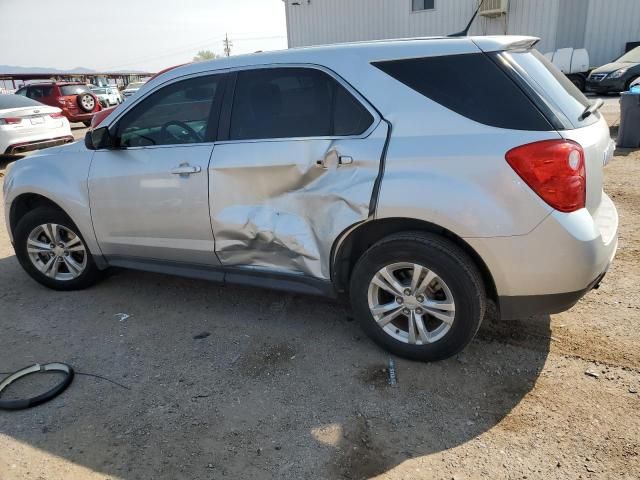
(51,250)
(418,295)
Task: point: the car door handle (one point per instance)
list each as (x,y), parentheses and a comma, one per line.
(333,159)
(186,169)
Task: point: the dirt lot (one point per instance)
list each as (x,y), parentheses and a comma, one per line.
(287,386)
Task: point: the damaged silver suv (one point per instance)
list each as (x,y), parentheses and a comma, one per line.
(422,178)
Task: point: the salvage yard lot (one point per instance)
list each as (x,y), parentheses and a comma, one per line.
(287,386)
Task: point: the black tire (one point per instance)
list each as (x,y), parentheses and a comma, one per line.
(578,80)
(86,100)
(39,216)
(450,263)
(87,123)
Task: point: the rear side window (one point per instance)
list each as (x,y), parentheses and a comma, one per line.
(39,91)
(294,102)
(471,85)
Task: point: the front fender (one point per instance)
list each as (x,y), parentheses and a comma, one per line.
(60,175)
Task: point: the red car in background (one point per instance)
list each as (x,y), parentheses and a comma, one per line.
(77,102)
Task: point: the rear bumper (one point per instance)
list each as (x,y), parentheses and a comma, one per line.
(79,117)
(20,148)
(551,268)
(513,308)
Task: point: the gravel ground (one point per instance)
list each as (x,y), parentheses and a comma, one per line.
(287,386)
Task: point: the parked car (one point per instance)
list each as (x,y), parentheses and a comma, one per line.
(616,76)
(132,88)
(108,95)
(77,102)
(27,125)
(346,169)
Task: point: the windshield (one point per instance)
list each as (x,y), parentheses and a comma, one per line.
(73,89)
(632,56)
(17,101)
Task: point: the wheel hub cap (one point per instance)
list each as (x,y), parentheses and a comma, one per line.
(57,252)
(411,303)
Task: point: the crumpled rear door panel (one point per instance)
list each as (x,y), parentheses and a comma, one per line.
(280,204)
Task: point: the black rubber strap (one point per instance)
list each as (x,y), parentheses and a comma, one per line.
(44,397)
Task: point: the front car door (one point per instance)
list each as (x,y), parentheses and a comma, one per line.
(299,156)
(149,196)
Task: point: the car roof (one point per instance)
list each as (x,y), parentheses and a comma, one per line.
(368,51)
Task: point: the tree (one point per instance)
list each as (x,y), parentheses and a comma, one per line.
(204,55)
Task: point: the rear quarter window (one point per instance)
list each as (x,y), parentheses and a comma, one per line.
(551,88)
(471,85)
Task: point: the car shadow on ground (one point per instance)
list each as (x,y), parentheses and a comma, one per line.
(244,383)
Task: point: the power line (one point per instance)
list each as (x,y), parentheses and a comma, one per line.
(227,45)
(190,47)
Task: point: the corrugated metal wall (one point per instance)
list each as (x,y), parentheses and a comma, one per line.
(330,21)
(609,23)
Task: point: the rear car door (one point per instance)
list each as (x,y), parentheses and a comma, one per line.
(299,156)
(149,197)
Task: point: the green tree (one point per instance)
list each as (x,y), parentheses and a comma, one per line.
(203,55)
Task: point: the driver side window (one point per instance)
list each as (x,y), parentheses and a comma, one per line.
(181,113)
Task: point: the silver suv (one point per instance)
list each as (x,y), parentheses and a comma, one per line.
(422,178)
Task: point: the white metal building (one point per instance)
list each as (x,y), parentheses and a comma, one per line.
(604,27)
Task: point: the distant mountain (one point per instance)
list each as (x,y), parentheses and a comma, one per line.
(16,69)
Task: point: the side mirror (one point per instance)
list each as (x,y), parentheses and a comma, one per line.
(98,139)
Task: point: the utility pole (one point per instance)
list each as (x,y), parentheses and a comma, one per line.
(227,45)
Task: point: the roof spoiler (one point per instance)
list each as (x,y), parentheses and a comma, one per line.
(496,43)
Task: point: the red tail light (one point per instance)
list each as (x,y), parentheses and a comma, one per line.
(554,169)
(10,121)
(57,115)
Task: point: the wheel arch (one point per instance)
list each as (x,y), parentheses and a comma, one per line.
(26,202)
(355,241)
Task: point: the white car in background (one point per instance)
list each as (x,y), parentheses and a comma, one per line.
(109,95)
(26,125)
(132,88)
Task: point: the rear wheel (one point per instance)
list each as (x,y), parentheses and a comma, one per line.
(578,81)
(51,250)
(418,296)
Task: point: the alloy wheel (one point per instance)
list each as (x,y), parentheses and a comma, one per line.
(57,252)
(411,303)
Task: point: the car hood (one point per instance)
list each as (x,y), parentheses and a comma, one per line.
(613,66)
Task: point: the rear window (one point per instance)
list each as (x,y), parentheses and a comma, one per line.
(73,89)
(551,88)
(471,85)
(17,101)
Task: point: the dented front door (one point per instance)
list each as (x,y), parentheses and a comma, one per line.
(281,204)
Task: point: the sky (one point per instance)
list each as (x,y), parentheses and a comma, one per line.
(133,34)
